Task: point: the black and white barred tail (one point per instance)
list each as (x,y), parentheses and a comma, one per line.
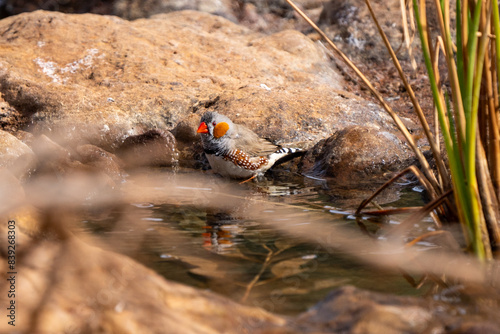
(284,154)
(287,150)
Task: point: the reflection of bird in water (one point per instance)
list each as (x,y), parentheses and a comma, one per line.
(216,239)
(219,232)
(236,151)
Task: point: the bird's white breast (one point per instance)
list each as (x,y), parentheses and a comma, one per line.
(228,168)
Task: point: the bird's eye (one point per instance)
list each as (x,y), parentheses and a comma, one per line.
(213,123)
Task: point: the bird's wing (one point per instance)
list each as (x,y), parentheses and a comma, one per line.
(249,142)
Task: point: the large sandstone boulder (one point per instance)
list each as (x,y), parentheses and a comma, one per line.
(95,69)
(89,79)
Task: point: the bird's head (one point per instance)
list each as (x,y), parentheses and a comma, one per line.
(215,129)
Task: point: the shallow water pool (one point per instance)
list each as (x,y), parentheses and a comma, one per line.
(221,248)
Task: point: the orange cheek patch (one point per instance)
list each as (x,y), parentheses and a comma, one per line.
(220,129)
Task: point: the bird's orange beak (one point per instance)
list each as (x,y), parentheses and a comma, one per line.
(202,128)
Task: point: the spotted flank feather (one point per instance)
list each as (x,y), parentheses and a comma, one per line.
(242,159)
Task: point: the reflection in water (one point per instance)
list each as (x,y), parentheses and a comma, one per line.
(220,232)
(219,249)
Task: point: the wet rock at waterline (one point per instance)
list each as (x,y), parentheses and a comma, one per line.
(189,144)
(90,79)
(357,152)
(15,155)
(353,310)
(53,159)
(51,153)
(102,161)
(362,311)
(152,148)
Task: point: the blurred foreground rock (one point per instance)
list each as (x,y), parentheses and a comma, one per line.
(15,155)
(70,286)
(352,310)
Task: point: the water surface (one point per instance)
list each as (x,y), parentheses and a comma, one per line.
(224,251)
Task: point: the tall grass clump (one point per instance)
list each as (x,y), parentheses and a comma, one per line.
(468,119)
(467,187)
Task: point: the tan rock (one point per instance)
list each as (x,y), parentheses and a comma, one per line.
(101,160)
(15,155)
(95,291)
(356,153)
(152,148)
(361,311)
(350,25)
(11,192)
(53,158)
(146,8)
(100,79)
(55,161)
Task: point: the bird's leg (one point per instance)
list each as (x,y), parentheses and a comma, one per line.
(253,177)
